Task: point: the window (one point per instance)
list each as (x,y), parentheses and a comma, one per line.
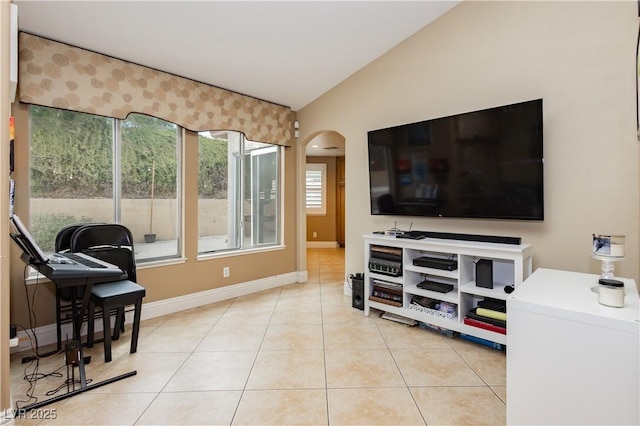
(316,189)
(87,168)
(238,193)
(149,170)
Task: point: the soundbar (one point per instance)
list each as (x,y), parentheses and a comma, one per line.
(462,237)
(436,263)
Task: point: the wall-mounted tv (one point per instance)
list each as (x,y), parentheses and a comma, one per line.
(484,164)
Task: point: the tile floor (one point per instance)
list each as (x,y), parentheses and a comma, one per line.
(294,355)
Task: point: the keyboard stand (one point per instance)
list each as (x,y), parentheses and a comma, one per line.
(78,314)
(84,387)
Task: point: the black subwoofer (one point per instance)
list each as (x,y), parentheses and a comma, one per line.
(357,291)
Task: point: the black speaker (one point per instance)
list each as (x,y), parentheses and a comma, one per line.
(484,273)
(357,292)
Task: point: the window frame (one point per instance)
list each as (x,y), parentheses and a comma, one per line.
(116,176)
(236,174)
(321,209)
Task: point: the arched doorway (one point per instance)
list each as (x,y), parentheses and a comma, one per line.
(324,152)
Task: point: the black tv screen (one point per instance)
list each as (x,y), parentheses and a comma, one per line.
(484,164)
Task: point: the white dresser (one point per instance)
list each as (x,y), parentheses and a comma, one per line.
(571,360)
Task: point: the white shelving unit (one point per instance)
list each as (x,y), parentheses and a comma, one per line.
(511,266)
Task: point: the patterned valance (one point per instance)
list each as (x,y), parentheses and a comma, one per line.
(57,75)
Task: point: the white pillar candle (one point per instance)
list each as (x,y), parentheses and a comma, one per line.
(617,250)
(608,245)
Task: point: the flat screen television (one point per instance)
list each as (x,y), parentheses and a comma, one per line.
(485,164)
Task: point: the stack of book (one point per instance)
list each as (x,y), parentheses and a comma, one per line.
(490,314)
(386,292)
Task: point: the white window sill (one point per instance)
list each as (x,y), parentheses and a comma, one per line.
(232,253)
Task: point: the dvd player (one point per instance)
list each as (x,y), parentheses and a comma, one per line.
(436,263)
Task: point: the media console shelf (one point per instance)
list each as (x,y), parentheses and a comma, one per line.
(390,271)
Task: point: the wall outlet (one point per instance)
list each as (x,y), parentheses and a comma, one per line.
(315,235)
(225,272)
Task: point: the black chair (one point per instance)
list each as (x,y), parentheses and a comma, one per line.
(112,243)
(65,297)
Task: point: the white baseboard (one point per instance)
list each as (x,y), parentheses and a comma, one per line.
(181,303)
(346,289)
(46,334)
(322,244)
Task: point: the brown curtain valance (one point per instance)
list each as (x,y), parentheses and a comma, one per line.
(57,75)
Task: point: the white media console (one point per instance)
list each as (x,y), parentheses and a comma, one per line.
(512,264)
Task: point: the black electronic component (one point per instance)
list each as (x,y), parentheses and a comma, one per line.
(436,263)
(357,291)
(484,273)
(72,353)
(435,286)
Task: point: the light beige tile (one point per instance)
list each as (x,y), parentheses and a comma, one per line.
(247,315)
(282,407)
(118,347)
(373,406)
(339,302)
(398,335)
(359,335)
(153,372)
(300,292)
(267,298)
(48,375)
(233,337)
(149,325)
(91,408)
(207,315)
(434,367)
(153,322)
(460,406)
(205,371)
(343,313)
(293,337)
(297,313)
(333,289)
(192,408)
(27,418)
(173,339)
(288,370)
(500,391)
(489,363)
(362,368)
(300,301)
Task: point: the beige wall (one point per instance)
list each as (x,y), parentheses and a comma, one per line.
(325,226)
(578,56)
(5,112)
(163,282)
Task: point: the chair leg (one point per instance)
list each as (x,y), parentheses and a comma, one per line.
(123,321)
(136,326)
(119,325)
(106,325)
(91,315)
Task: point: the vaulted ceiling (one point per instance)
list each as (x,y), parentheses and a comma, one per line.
(286,52)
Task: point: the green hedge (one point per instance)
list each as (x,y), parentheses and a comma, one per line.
(46,227)
(71,157)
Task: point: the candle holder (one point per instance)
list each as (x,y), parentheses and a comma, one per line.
(608,249)
(608,265)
